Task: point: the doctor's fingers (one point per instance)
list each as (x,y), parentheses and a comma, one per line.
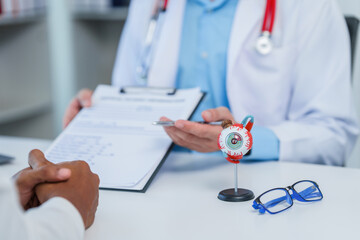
(199,129)
(180,139)
(190,141)
(84,97)
(73,109)
(217,114)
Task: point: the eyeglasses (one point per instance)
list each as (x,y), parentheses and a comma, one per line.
(279,199)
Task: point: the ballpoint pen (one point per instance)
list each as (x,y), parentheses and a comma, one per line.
(172,123)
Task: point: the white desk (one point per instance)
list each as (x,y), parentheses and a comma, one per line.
(182,203)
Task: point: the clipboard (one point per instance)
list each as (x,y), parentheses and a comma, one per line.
(118,172)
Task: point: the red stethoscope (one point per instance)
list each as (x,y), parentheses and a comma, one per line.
(263,44)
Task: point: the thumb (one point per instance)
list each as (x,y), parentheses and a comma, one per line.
(217,114)
(50,173)
(37,159)
(84,97)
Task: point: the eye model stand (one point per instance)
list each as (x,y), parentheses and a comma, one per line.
(235,141)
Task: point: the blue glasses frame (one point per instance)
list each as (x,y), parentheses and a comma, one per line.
(310,192)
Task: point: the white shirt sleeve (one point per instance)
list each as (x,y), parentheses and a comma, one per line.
(55,219)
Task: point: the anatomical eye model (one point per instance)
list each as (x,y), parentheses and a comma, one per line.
(235,141)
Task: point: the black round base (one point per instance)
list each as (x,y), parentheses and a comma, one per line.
(241,195)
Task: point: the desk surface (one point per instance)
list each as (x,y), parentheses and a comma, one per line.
(182,203)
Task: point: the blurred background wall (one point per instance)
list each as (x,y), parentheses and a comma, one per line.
(48,53)
(51,51)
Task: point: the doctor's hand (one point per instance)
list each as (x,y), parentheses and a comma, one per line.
(197,136)
(27,179)
(82,99)
(82,189)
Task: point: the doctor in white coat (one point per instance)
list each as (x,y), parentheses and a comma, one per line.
(300,91)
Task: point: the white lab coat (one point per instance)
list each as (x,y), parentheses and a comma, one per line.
(301,91)
(56,219)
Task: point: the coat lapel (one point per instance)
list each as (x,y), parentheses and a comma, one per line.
(248,15)
(165,63)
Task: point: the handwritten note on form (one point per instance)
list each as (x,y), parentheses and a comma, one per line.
(116,136)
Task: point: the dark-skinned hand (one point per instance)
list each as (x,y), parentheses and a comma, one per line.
(81,189)
(27,179)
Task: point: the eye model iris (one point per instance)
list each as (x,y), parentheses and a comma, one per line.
(234,141)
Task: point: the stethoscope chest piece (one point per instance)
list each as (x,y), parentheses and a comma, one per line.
(264,45)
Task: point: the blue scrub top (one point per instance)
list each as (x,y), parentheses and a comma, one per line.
(203,61)
(203,51)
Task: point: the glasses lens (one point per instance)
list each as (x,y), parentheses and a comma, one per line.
(308,191)
(276,200)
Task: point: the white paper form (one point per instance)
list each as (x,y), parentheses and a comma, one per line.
(116,136)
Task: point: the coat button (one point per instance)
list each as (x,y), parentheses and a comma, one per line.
(204,55)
